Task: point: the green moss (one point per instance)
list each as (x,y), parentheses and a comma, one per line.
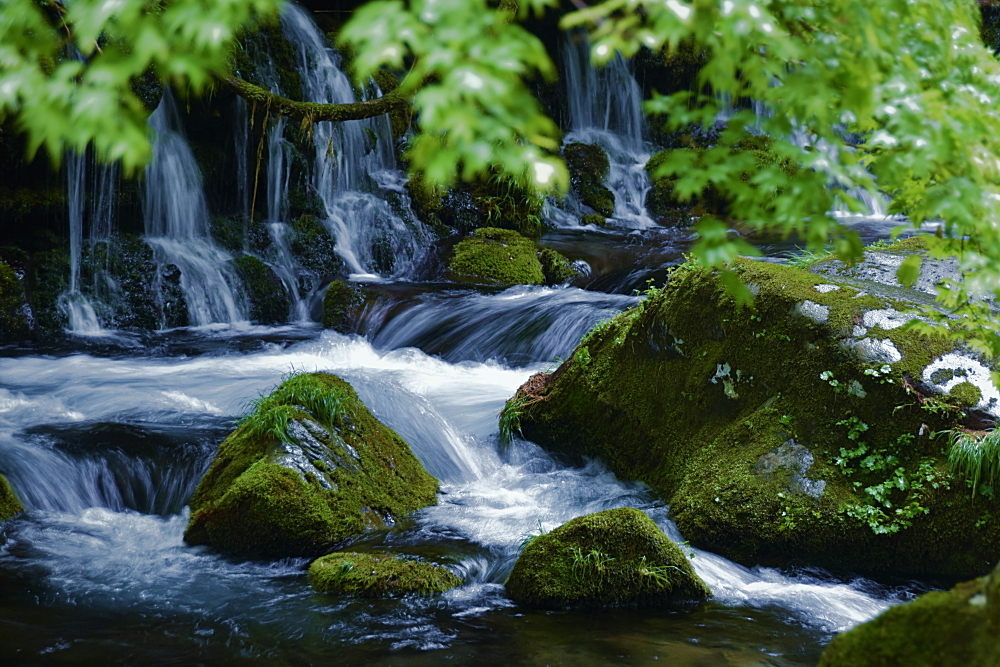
(339,305)
(379,575)
(49,278)
(614,557)
(594,219)
(9,504)
(966,394)
(310,467)
(13,320)
(496,256)
(556,268)
(588,169)
(939,629)
(721,409)
(269,302)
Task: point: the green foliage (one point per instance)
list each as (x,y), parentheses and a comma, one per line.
(62,103)
(269,416)
(469,61)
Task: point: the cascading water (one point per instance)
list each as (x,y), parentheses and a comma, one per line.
(177,224)
(605,109)
(353,162)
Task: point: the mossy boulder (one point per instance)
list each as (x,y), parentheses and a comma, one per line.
(315,248)
(956,628)
(309,468)
(588,167)
(9,504)
(498,257)
(555,267)
(615,557)
(13,307)
(268,298)
(801,429)
(379,575)
(339,304)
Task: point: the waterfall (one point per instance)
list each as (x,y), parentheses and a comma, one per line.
(353,161)
(74,304)
(605,109)
(177,223)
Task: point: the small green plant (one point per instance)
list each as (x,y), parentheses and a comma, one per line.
(271,415)
(880,374)
(590,565)
(804,258)
(510,418)
(659,573)
(582,357)
(528,538)
(976,457)
(827,376)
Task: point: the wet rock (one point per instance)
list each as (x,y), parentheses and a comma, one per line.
(611,558)
(339,306)
(13,307)
(10,506)
(956,628)
(309,468)
(498,257)
(555,267)
(379,575)
(588,169)
(268,298)
(798,430)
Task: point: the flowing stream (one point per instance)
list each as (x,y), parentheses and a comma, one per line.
(106,437)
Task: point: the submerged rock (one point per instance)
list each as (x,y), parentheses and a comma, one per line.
(379,575)
(780,432)
(956,628)
(308,468)
(615,557)
(498,257)
(9,504)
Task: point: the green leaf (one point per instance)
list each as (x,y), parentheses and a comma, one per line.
(909,271)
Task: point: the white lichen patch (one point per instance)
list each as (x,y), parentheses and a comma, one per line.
(824,288)
(859,331)
(811,310)
(951,369)
(887,318)
(875,350)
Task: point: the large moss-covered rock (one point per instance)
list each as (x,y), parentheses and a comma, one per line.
(9,504)
(13,308)
(802,429)
(615,557)
(498,257)
(588,167)
(269,302)
(309,468)
(339,304)
(555,267)
(956,628)
(379,575)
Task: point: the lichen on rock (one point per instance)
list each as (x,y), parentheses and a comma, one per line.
(956,628)
(498,257)
(379,575)
(776,436)
(615,557)
(10,506)
(310,467)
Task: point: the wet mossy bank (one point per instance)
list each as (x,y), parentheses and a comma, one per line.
(796,431)
(615,557)
(309,468)
(10,506)
(956,628)
(379,575)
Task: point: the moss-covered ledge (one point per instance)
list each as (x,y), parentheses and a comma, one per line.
(315,112)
